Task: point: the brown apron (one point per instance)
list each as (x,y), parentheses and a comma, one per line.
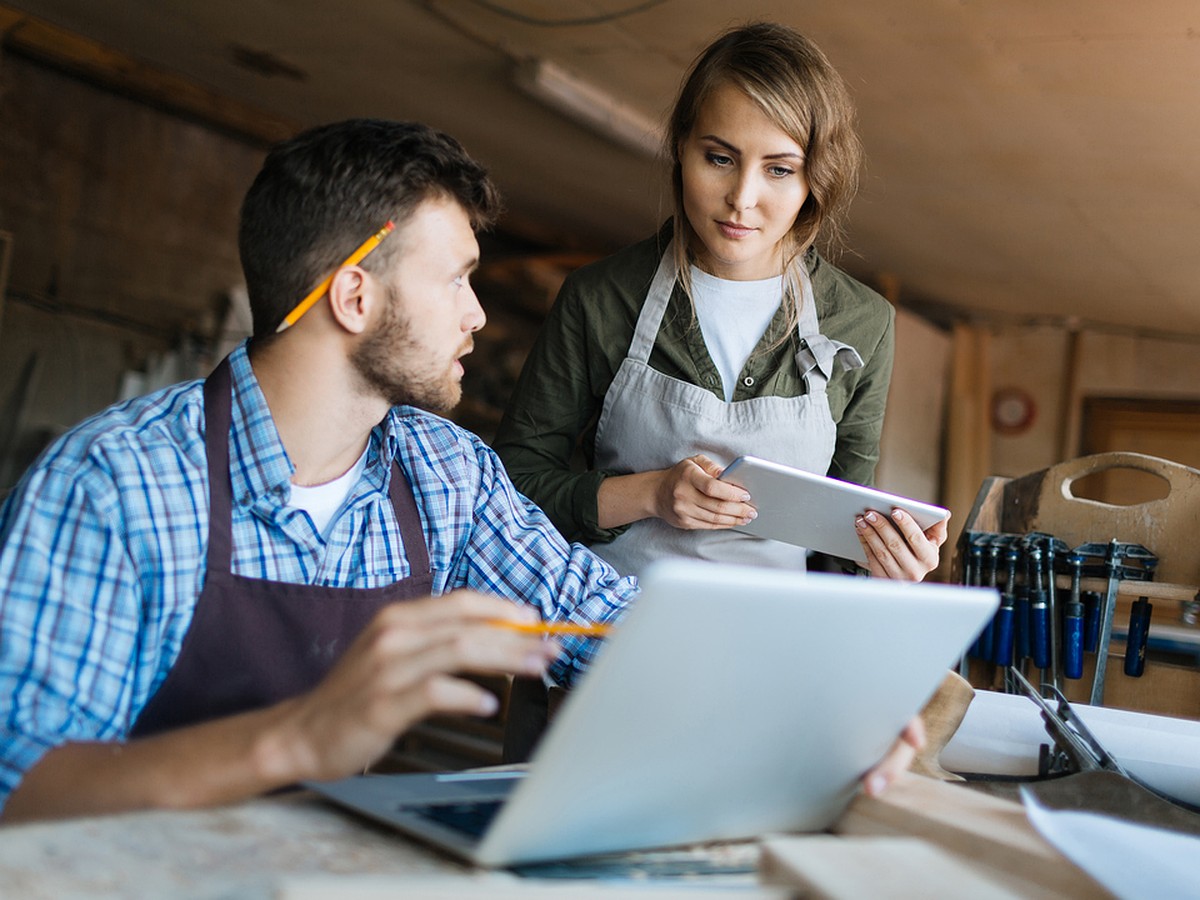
(254,642)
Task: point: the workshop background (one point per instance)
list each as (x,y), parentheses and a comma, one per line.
(1031,201)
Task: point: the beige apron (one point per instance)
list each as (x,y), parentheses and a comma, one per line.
(651,421)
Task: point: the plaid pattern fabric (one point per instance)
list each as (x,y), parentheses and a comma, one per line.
(102,551)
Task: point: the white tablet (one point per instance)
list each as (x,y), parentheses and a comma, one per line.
(815,511)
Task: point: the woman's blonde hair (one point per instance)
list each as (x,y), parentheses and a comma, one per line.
(801,93)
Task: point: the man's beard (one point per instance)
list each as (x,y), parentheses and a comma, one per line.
(388,361)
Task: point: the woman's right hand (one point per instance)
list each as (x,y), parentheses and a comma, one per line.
(690,495)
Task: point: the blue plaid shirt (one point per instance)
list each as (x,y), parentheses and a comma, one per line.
(102,551)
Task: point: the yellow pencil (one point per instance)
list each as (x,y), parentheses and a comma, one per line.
(551,627)
(319,291)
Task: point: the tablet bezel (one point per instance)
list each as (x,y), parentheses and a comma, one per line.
(815,511)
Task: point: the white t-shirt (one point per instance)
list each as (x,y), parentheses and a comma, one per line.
(321,501)
(733,316)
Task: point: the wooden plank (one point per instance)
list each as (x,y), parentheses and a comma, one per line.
(989,833)
(78,55)
(822,866)
(1154,590)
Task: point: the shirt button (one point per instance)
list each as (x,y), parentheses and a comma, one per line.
(710,380)
(748,381)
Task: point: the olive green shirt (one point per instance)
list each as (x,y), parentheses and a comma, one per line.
(559,396)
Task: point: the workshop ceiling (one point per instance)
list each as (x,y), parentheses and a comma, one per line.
(1026,159)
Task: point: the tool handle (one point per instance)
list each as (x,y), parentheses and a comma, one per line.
(982,648)
(1135,643)
(1003,636)
(1091,621)
(1073,641)
(1039,630)
(1022,627)
(1075,469)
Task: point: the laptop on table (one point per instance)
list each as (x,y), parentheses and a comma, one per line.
(729,702)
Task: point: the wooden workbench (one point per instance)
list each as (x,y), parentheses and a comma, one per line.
(294,846)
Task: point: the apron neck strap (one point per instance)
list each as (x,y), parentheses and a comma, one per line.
(650,318)
(217,403)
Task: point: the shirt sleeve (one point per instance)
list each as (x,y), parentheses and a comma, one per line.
(861,427)
(557,398)
(515,552)
(70,614)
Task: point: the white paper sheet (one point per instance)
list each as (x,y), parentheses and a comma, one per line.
(1001,733)
(1132,861)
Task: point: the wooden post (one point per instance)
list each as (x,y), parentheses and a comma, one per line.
(968,458)
(1070,413)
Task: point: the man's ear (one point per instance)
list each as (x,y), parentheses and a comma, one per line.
(350,298)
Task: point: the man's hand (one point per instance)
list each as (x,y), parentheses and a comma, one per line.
(400,670)
(898,759)
(897,547)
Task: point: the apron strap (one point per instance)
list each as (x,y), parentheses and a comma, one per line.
(217,402)
(409,519)
(650,318)
(817,354)
(817,357)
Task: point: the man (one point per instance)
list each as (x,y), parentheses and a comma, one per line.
(224,587)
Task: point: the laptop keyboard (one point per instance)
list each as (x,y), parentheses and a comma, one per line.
(470,818)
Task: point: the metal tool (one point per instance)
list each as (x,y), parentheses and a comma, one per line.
(987,643)
(1075,747)
(1121,562)
(1053,549)
(1002,654)
(972,576)
(1072,641)
(1039,615)
(1082,774)
(1022,649)
(1091,621)
(1135,641)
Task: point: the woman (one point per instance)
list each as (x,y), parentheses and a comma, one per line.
(725,333)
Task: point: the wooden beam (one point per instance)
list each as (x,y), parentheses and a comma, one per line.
(968,429)
(75,54)
(1071,404)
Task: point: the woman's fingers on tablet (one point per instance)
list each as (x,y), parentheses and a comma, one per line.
(895,546)
(880,561)
(937,532)
(924,544)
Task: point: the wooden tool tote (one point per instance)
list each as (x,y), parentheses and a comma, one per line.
(1169,527)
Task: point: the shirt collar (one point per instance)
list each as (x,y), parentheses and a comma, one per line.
(260,470)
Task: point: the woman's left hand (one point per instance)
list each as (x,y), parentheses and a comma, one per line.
(896,547)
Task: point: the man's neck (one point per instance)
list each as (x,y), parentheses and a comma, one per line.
(317,405)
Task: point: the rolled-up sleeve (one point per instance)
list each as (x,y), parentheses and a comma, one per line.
(68,629)
(514,551)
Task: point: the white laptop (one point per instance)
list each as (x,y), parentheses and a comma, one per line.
(729,702)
